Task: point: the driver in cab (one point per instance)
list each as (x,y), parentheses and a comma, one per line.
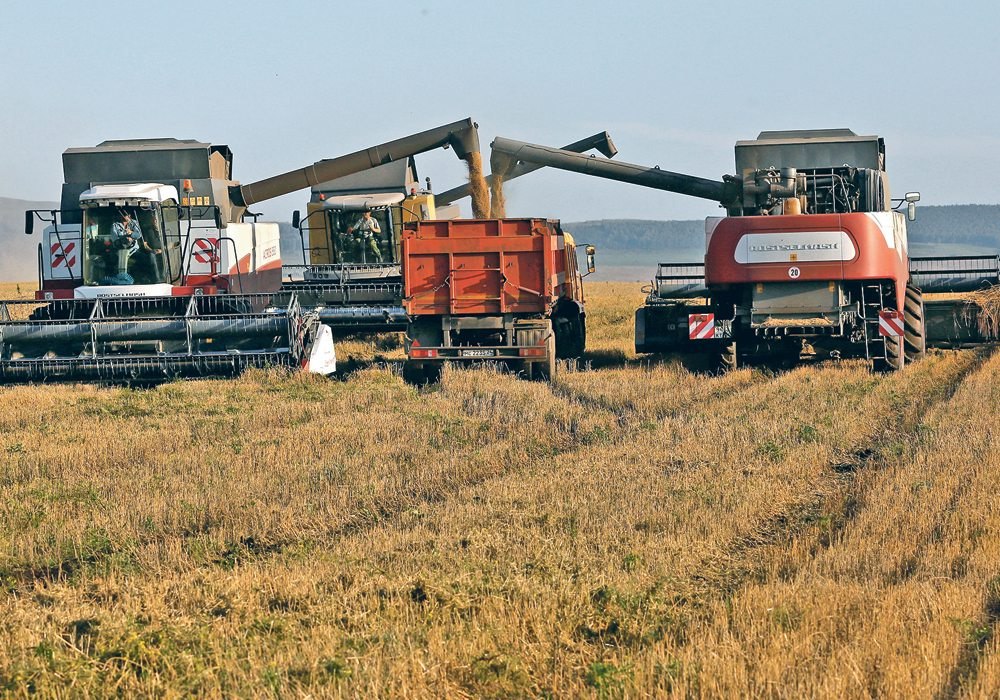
(366,229)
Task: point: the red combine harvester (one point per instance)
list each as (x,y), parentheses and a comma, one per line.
(810,261)
(506,290)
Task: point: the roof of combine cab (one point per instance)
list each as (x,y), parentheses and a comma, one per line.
(396,176)
(810,148)
(800,134)
(132,160)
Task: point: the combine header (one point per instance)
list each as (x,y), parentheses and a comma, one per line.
(811,259)
(153,268)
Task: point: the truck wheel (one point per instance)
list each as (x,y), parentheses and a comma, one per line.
(914,338)
(728,358)
(420,373)
(432,372)
(545,370)
(413,372)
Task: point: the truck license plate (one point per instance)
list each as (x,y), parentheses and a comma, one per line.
(478,352)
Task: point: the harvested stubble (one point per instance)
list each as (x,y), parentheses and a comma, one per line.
(635,530)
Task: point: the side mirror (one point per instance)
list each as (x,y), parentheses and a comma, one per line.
(296,218)
(911,199)
(591,253)
(218,218)
(29,222)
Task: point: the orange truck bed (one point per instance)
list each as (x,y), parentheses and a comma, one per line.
(465,267)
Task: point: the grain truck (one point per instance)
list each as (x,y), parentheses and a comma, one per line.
(503,290)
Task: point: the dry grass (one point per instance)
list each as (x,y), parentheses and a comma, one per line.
(633,529)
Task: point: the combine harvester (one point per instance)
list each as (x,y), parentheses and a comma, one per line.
(354,282)
(810,261)
(154,269)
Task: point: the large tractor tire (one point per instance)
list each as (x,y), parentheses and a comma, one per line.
(895,356)
(914,338)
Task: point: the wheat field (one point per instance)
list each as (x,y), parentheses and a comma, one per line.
(633,529)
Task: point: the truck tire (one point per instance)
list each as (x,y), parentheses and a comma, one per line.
(570,335)
(421,373)
(914,337)
(728,357)
(545,370)
(413,372)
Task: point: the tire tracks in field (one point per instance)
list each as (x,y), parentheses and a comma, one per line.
(386,516)
(393,516)
(839,496)
(966,668)
(369,516)
(628,412)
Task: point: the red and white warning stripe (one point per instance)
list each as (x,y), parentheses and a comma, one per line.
(62,254)
(205,249)
(890,323)
(701,326)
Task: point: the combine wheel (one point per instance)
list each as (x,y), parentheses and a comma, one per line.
(914,339)
(728,357)
(895,356)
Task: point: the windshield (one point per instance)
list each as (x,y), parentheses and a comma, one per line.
(361,239)
(126,245)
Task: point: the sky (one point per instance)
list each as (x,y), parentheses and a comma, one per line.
(676,84)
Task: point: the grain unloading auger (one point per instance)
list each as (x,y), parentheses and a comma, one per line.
(600,142)
(153,268)
(355,281)
(811,258)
